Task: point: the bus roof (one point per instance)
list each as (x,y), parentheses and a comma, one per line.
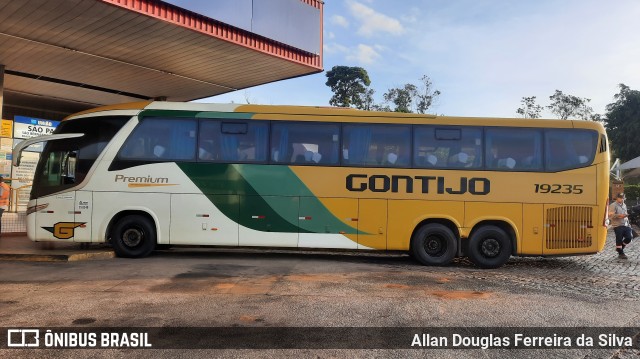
(337,114)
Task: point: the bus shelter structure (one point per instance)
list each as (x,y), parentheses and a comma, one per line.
(58,57)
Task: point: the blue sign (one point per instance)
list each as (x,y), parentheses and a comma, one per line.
(36,121)
(28,127)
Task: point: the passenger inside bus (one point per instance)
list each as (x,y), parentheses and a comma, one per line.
(203,154)
(159,151)
(392,158)
(430,159)
(459,159)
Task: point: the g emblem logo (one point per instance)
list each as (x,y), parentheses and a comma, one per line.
(64,230)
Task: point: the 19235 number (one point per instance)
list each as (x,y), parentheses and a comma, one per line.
(559,188)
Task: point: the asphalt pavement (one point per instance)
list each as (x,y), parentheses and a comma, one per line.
(224,288)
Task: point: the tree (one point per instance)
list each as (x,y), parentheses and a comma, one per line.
(529,109)
(622,120)
(565,106)
(596,117)
(585,112)
(349,86)
(409,98)
(247,98)
(426,96)
(402,97)
(367,100)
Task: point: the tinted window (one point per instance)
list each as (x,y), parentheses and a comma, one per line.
(514,149)
(305,143)
(603,144)
(447,147)
(159,139)
(376,145)
(233,141)
(567,149)
(65,163)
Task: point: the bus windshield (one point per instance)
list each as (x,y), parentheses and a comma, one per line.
(65,163)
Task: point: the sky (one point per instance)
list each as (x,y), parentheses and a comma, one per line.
(483,55)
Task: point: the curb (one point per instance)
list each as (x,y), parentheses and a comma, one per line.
(25,257)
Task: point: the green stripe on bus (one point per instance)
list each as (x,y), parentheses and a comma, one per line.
(283,182)
(242,194)
(233,196)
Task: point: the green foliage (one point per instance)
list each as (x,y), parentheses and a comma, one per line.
(367,100)
(632,191)
(565,106)
(411,98)
(623,123)
(350,87)
(401,97)
(426,96)
(529,109)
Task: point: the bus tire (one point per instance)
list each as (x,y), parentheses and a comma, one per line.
(133,236)
(434,244)
(489,247)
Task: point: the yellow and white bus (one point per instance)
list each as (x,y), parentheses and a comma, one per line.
(160,173)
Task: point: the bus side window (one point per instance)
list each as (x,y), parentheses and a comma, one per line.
(232,141)
(305,143)
(513,149)
(567,149)
(161,139)
(447,147)
(377,145)
(209,140)
(136,149)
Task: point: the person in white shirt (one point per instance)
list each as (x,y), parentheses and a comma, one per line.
(620,223)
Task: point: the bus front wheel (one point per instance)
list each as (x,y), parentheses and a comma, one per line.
(489,247)
(434,244)
(133,236)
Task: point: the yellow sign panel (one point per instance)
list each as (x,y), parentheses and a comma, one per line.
(6,129)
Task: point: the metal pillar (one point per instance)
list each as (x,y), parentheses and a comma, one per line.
(1,90)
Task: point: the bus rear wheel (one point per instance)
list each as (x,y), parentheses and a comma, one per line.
(133,236)
(434,244)
(489,247)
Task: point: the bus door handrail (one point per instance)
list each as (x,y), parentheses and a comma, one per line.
(17,151)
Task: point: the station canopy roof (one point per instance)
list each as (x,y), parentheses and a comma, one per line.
(69,55)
